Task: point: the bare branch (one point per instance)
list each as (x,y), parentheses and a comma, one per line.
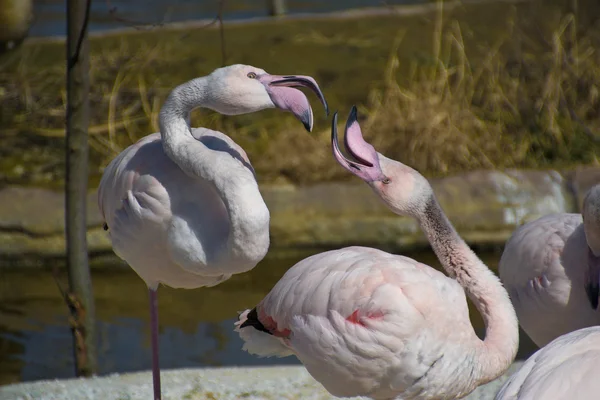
(112,11)
(222,31)
(139,25)
(79,296)
(73,60)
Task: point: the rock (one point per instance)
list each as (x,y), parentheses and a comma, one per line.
(583,178)
(39,212)
(333,214)
(485,201)
(485,206)
(15,244)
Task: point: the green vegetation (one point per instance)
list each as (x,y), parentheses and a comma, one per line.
(489,85)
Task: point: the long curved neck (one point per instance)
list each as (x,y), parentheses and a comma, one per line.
(498,349)
(178,142)
(239,192)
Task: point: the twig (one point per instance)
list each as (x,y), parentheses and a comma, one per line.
(73,60)
(112,11)
(75,320)
(62,291)
(207,25)
(139,25)
(222,31)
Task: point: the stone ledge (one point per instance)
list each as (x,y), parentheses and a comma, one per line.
(485,206)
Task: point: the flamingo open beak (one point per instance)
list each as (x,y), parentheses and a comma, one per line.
(366,164)
(285,95)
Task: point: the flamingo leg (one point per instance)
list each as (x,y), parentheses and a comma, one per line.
(154,339)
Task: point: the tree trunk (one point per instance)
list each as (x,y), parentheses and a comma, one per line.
(276,7)
(80,297)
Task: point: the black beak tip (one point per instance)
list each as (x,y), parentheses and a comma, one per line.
(306,126)
(352,118)
(307,119)
(334,127)
(353,114)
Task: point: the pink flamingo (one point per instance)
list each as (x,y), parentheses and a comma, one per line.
(183,205)
(551,270)
(566,368)
(366,322)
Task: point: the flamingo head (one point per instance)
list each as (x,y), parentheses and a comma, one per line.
(401,188)
(240,89)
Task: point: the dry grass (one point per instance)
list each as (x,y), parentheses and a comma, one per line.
(475,88)
(515,108)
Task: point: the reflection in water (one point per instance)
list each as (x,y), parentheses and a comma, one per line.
(195,325)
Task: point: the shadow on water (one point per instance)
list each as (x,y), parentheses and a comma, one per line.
(195,325)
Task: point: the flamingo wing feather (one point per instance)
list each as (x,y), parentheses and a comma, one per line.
(566,368)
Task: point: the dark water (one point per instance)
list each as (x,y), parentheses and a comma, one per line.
(195,325)
(50,14)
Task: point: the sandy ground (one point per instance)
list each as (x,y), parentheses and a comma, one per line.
(279,382)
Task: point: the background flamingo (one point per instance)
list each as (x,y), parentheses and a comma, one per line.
(182,206)
(551,269)
(366,322)
(566,368)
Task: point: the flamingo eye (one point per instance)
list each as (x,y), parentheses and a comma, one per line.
(251,75)
(386,181)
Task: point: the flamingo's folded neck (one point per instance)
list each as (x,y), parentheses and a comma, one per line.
(248,239)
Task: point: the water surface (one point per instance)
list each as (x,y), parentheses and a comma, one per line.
(50,14)
(195,325)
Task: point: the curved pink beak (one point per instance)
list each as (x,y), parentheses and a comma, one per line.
(285,95)
(366,165)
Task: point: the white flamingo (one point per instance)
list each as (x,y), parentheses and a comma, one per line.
(366,322)
(551,270)
(566,368)
(182,206)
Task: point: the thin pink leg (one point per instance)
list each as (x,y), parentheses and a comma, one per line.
(154,329)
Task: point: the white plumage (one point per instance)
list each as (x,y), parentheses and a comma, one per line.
(363,321)
(551,270)
(183,206)
(566,368)
(173,228)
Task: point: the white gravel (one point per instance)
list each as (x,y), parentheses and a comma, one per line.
(279,382)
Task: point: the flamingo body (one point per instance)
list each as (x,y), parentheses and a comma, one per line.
(367,322)
(182,206)
(566,368)
(152,201)
(544,269)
